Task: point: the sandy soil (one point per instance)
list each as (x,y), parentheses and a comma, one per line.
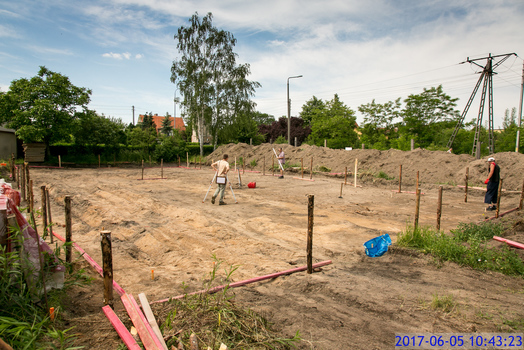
(356,303)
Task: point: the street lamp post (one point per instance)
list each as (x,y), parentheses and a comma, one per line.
(289,110)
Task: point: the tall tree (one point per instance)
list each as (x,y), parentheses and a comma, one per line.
(44,108)
(166,128)
(505,139)
(426,114)
(214,88)
(312,108)
(379,127)
(336,123)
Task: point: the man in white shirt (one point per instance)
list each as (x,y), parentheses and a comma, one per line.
(221,167)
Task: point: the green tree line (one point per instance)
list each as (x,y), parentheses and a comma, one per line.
(217,107)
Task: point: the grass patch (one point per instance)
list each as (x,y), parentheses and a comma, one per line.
(216,319)
(383,175)
(465,246)
(444,303)
(324,169)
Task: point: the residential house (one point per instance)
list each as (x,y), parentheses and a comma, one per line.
(177,123)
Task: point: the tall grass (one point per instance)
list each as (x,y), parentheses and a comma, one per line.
(216,319)
(24,320)
(466,246)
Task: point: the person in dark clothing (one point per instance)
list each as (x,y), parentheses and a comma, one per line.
(493,185)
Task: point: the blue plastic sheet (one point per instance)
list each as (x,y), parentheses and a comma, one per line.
(377,246)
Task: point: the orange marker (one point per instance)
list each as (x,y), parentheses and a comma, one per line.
(152,275)
(52,313)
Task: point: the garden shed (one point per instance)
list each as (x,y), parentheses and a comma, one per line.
(7,143)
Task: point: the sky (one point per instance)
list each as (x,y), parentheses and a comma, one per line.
(123,50)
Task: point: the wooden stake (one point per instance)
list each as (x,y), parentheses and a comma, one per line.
(302,166)
(99,160)
(439,207)
(27,179)
(162,168)
(23,185)
(498,198)
(416,187)
(44,211)
(150,163)
(193,342)
(5,346)
(400,179)
(67,205)
(187,159)
(356,168)
(48,198)
(107,259)
(521,196)
(345,175)
(40,258)
(179,161)
(13,174)
(309,249)
(417,209)
(341,186)
(466,186)
(142,169)
(59,161)
(264,170)
(31,197)
(311,173)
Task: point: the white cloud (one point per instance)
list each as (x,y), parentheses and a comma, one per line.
(139,56)
(119,56)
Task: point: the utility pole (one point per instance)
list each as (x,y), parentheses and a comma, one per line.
(487,75)
(133,115)
(289,110)
(520,110)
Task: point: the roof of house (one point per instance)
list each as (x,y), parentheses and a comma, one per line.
(2,129)
(178,123)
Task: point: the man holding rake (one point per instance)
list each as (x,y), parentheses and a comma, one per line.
(221,167)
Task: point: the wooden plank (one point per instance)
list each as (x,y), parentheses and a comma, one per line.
(144,319)
(151,319)
(138,322)
(122,331)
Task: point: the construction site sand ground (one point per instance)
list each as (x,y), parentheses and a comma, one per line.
(357,302)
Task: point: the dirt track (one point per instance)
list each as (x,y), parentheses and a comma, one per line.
(355,303)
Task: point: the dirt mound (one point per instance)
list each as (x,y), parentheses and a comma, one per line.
(434,167)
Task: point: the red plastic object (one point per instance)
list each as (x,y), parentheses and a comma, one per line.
(252,185)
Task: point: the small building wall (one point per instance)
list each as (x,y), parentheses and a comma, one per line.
(7,143)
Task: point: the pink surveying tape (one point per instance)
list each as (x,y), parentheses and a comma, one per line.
(501,215)
(511,243)
(93,263)
(248,281)
(122,331)
(302,178)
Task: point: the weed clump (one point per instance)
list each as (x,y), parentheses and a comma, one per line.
(216,319)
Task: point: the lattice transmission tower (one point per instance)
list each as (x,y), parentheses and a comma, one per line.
(487,89)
